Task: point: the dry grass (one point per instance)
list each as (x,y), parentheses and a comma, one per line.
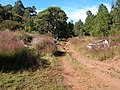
(13,55)
(48,78)
(44,45)
(45,77)
(80,45)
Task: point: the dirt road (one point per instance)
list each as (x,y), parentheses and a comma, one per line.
(81,73)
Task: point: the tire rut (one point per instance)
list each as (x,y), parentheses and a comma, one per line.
(99,77)
(82,78)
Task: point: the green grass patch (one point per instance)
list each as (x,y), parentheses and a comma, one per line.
(48,78)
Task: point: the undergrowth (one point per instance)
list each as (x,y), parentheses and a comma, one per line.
(80,45)
(48,78)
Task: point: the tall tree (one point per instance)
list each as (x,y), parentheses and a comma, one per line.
(70,31)
(55,18)
(118,3)
(102,22)
(4,14)
(78,28)
(8,7)
(18,8)
(1,13)
(115,14)
(89,22)
(31,10)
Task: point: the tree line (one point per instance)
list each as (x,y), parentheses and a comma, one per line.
(104,23)
(53,21)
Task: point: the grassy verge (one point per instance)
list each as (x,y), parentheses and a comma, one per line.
(48,78)
(80,46)
(76,63)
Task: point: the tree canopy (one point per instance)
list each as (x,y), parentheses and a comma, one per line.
(102,22)
(53,21)
(89,22)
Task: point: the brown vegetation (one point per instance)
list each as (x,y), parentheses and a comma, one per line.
(44,45)
(98,51)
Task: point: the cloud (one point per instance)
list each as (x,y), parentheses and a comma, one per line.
(77,14)
(39,11)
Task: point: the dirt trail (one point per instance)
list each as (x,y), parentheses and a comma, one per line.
(82,73)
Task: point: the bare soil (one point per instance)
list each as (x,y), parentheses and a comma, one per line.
(82,73)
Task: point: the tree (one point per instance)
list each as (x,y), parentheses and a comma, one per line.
(31,10)
(70,31)
(78,28)
(11,25)
(118,3)
(102,22)
(1,13)
(115,16)
(55,18)
(4,14)
(8,7)
(18,8)
(89,22)
(29,25)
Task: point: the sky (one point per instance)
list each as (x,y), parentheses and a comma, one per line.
(75,9)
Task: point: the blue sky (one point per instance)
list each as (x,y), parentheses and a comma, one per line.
(75,9)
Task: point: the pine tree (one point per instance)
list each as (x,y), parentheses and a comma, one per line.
(70,31)
(115,13)
(18,8)
(102,22)
(78,28)
(89,22)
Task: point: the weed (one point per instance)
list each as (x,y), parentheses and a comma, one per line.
(42,79)
(96,54)
(44,45)
(13,55)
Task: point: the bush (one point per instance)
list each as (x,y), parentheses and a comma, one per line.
(13,55)
(11,25)
(44,45)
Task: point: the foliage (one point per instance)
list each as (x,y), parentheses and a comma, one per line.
(29,25)
(54,19)
(115,17)
(48,78)
(89,23)
(102,22)
(80,45)
(11,25)
(13,55)
(70,31)
(78,28)
(44,45)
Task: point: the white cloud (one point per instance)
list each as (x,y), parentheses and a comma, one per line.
(77,14)
(38,11)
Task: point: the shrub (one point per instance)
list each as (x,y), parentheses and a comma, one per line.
(44,45)
(13,55)
(101,54)
(11,25)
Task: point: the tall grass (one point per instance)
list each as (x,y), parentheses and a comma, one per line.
(44,45)
(13,55)
(80,45)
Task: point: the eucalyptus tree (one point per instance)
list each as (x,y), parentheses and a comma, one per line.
(52,20)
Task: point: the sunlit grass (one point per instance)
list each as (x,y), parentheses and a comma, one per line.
(48,78)
(80,45)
